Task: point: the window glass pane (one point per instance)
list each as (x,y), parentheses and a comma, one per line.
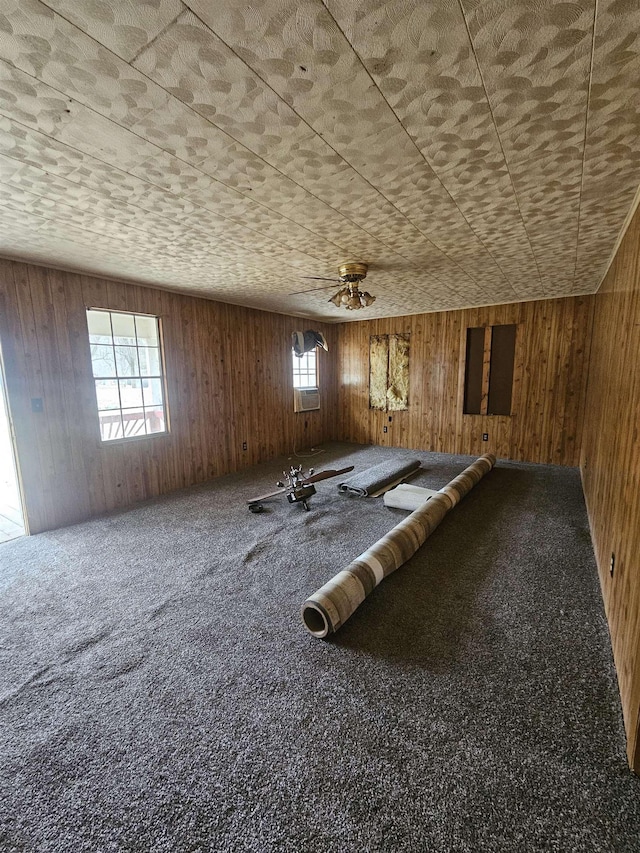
(99,324)
(155,420)
(124,331)
(304,370)
(127,361)
(130,392)
(152,392)
(147,329)
(107,394)
(133,422)
(110,425)
(149,361)
(127,367)
(102,360)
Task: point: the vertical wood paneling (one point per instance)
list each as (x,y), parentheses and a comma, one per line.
(546,420)
(610,464)
(228,381)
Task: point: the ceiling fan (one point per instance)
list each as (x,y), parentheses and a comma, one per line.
(350,296)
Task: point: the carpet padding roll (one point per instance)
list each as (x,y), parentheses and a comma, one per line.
(330,607)
(378,477)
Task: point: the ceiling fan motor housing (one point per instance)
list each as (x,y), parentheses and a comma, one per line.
(353,271)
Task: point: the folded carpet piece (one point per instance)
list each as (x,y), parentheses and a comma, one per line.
(406,496)
(378,477)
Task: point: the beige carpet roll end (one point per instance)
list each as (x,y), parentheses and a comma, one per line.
(329,608)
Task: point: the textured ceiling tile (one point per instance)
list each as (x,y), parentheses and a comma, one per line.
(45,46)
(104,139)
(535,62)
(421,57)
(612,153)
(31,102)
(276,192)
(353,118)
(208,76)
(298,44)
(180,131)
(201,71)
(441,142)
(124,27)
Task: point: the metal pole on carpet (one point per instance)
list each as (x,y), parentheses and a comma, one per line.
(330,607)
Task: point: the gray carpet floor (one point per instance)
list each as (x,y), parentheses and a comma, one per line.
(158,691)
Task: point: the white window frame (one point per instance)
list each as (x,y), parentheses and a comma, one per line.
(304,368)
(146,414)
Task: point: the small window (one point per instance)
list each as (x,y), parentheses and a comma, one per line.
(488,376)
(305,370)
(127,370)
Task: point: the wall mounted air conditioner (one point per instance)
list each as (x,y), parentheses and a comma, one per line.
(306,399)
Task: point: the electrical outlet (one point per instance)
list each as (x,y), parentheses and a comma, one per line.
(244,445)
(612,563)
(485,436)
(36,404)
(385,429)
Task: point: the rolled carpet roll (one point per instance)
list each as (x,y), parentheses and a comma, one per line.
(330,607)
(376,478)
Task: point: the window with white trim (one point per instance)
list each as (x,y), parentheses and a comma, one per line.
(126,358)
(305,370)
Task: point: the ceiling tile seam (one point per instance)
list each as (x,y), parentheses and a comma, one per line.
(191,165)
(495,126)
(584,144)
(84,228)
(102,215)
(142,179)
(238,275)
(247,198)
(169,244)
(423,156)
(286,177)
(198,295)
(57,13)
(149,43)
(196,229)
(193,228)
(338,154)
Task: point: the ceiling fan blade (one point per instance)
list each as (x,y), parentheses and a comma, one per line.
(324,475)
(268,495)
(322,278)
(313,290)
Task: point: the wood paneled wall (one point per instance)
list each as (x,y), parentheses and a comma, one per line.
(550,375)
(610,466)
(228,381)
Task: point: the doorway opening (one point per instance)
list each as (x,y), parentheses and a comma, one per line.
(11,514)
